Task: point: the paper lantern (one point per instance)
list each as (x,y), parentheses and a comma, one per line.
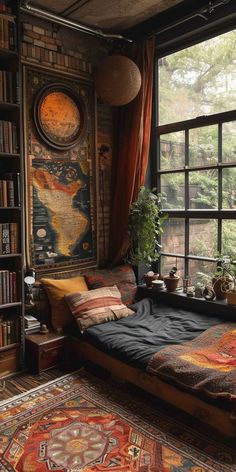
(117,80)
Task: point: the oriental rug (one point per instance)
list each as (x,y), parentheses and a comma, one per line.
(78,423)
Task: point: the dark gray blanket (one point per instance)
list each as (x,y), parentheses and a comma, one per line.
(136,338)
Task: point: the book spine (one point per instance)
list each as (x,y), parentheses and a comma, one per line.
(4,333)
(10,193)
(1,288)
(9,332)
(18,190)
(1,344)
(14,240)
(4,285)
(4,193)
(5,238)
(1,33)
(0,239)
(10,287)
(14,283)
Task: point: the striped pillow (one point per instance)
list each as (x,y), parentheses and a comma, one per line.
(97,306)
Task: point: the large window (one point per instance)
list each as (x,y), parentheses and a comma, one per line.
(196,154)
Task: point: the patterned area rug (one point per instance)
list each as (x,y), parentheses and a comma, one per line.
(78,423)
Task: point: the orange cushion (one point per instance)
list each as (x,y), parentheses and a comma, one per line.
(56,290)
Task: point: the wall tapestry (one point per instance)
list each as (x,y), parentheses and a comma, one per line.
(60,171)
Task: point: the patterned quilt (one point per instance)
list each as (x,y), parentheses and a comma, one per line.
(208,363)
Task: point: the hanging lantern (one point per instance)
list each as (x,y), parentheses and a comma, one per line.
(117,80)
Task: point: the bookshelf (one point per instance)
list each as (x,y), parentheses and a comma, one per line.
(11,176)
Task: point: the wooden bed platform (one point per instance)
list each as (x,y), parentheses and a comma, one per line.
(213,415)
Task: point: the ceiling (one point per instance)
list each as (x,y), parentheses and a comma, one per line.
(171,21)
(108,15)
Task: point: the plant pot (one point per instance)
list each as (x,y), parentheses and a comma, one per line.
(148,279)
(171,283)
(220,287)
(231,297)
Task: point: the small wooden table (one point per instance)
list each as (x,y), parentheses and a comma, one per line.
(45,351)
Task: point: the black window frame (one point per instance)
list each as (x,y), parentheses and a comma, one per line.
(186,125)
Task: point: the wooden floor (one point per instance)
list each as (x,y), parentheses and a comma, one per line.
(22,382)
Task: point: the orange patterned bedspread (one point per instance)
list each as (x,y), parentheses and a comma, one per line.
(208,363)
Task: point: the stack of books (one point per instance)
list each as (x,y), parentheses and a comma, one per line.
(32,325)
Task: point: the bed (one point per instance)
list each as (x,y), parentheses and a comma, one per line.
(166,350)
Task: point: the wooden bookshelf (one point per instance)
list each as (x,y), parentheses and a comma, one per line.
(11,171)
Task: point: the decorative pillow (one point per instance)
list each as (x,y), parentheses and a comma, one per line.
(122,276)
(56,290)
(97,306)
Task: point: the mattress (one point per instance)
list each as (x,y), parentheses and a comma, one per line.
(153,326)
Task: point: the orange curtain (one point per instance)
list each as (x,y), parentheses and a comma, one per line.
(132,125)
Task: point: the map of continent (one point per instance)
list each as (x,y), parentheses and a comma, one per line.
(57,190)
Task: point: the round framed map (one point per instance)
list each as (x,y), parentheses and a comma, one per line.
(59,116)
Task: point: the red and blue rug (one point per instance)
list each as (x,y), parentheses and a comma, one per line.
(78,423)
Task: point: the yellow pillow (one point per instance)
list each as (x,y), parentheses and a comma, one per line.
(56,290)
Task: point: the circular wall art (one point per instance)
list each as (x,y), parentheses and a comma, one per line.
(59,116)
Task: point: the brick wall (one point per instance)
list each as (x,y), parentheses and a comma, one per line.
(69,52)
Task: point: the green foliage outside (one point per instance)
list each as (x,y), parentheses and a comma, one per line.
(197,81)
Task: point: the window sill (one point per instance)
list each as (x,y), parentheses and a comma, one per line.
(180,299)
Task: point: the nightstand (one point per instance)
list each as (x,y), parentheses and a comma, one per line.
(44,351)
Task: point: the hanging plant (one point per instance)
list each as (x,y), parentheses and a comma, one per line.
(145,224)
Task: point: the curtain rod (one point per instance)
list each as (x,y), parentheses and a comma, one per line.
(47,15)
(202,12)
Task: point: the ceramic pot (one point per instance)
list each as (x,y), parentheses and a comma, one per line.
(220,286)
(171,283)
(148,279)
(231,297)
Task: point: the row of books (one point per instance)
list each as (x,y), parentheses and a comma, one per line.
(10,190)
(9,87)
(8,287)
(8,34)
(32,325)
(9,238)
(9,331)
(8,137)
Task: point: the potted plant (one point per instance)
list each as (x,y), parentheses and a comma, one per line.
(145,224)
(171,280)
(224,279)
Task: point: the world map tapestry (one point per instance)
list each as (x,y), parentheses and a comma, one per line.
(61,225)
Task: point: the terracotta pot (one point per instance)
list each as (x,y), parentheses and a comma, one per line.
(171,283)
(220,285)
(148,279)
(231,297)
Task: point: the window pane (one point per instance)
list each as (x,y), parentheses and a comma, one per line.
(168,262)
(203,146)
(172,239)
(229,237)
(201,271)
(229,188)
(203,237)
(199,80)
(203,189)
(172,150)
(172,188)
(229,142)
